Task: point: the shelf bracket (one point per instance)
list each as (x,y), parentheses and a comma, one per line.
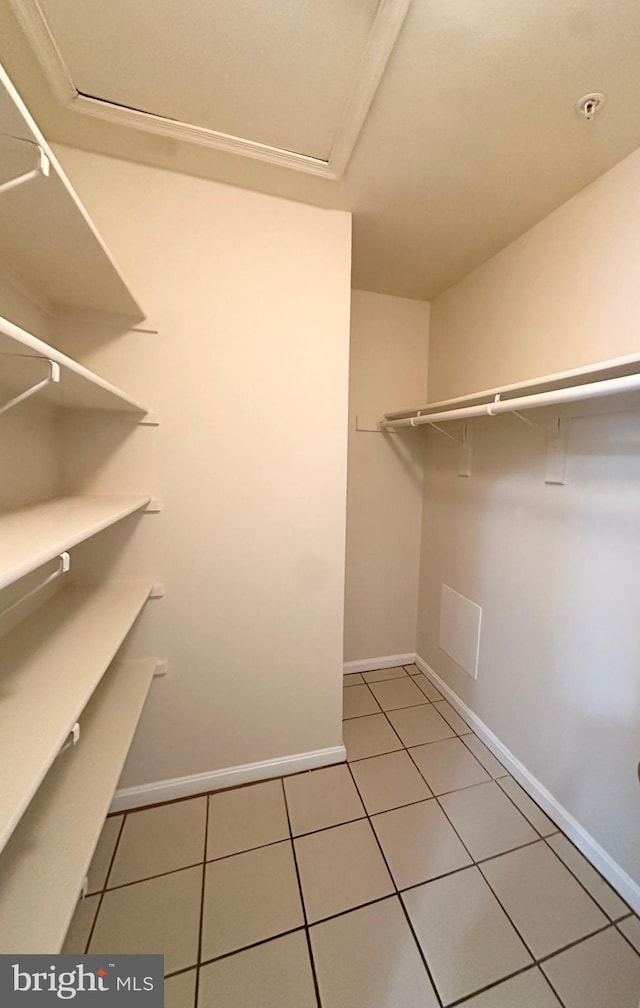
(41,168)
(537,427)
(440,430)
(53,376)
(64,565)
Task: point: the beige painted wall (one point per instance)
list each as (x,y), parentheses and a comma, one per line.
(249,374)
(387,369)
(564,294)
(555,568)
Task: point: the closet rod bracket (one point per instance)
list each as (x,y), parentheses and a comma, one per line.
(545,431)
(452,437)
(52,378)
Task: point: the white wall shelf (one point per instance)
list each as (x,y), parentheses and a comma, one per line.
(52,662)
(23,360)
(31,536)
(617,376)
(46,235)
(44,863)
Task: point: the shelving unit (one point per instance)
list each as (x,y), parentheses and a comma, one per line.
(22,360)
(52,663)
(46,234)
(57,663)
(46,860)
(31,536)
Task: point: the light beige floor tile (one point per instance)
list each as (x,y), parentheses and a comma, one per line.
(528,807)
(486,820)
(397,693)
(378,675)
(180,990)
(419,843)
(389,781)
(603,894)
(448,765)
(459,726)
(412,669)
(103,853)
(357,701)
(249,897)
(160,839)
(602,972)
(416,725)
(245,818)
(485,756)
(322,798)
(340,869)
(467,938)
(527,990)
(544,901)
(631,928)
(161,915)
(427,687)
(368,959)
(81,924)
(352,679)
(274,975)
(369,736)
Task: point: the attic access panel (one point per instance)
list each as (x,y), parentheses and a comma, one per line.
(294,77)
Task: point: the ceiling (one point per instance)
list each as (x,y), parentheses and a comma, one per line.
(447,132)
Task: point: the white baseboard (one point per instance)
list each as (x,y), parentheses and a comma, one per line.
(597,855)
(216,780)
(371,664)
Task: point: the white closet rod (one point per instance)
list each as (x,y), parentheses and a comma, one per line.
(593,390)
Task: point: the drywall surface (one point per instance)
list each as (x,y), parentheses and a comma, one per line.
(562,295)
(249,376)
(555,568)
(388,368)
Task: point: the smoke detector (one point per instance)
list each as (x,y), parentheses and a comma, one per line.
(590,104)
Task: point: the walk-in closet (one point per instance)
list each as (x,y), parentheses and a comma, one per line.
(319,501)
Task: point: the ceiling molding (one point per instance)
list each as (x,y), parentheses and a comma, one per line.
(386,27)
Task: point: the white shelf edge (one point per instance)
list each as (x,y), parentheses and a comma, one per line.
(78,386)
(616,366)
(29,537)
(31,131)
(42,867)
(52,662)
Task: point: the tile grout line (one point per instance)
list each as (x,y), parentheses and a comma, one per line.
(580,882)
(202,894)
(513,802)
(103,891)
(301,894)
(577,941)
(495,983)
(397,893)
(621,932)
(247,948)
(371,694)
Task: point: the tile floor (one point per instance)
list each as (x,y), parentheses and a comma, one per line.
(417,875)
